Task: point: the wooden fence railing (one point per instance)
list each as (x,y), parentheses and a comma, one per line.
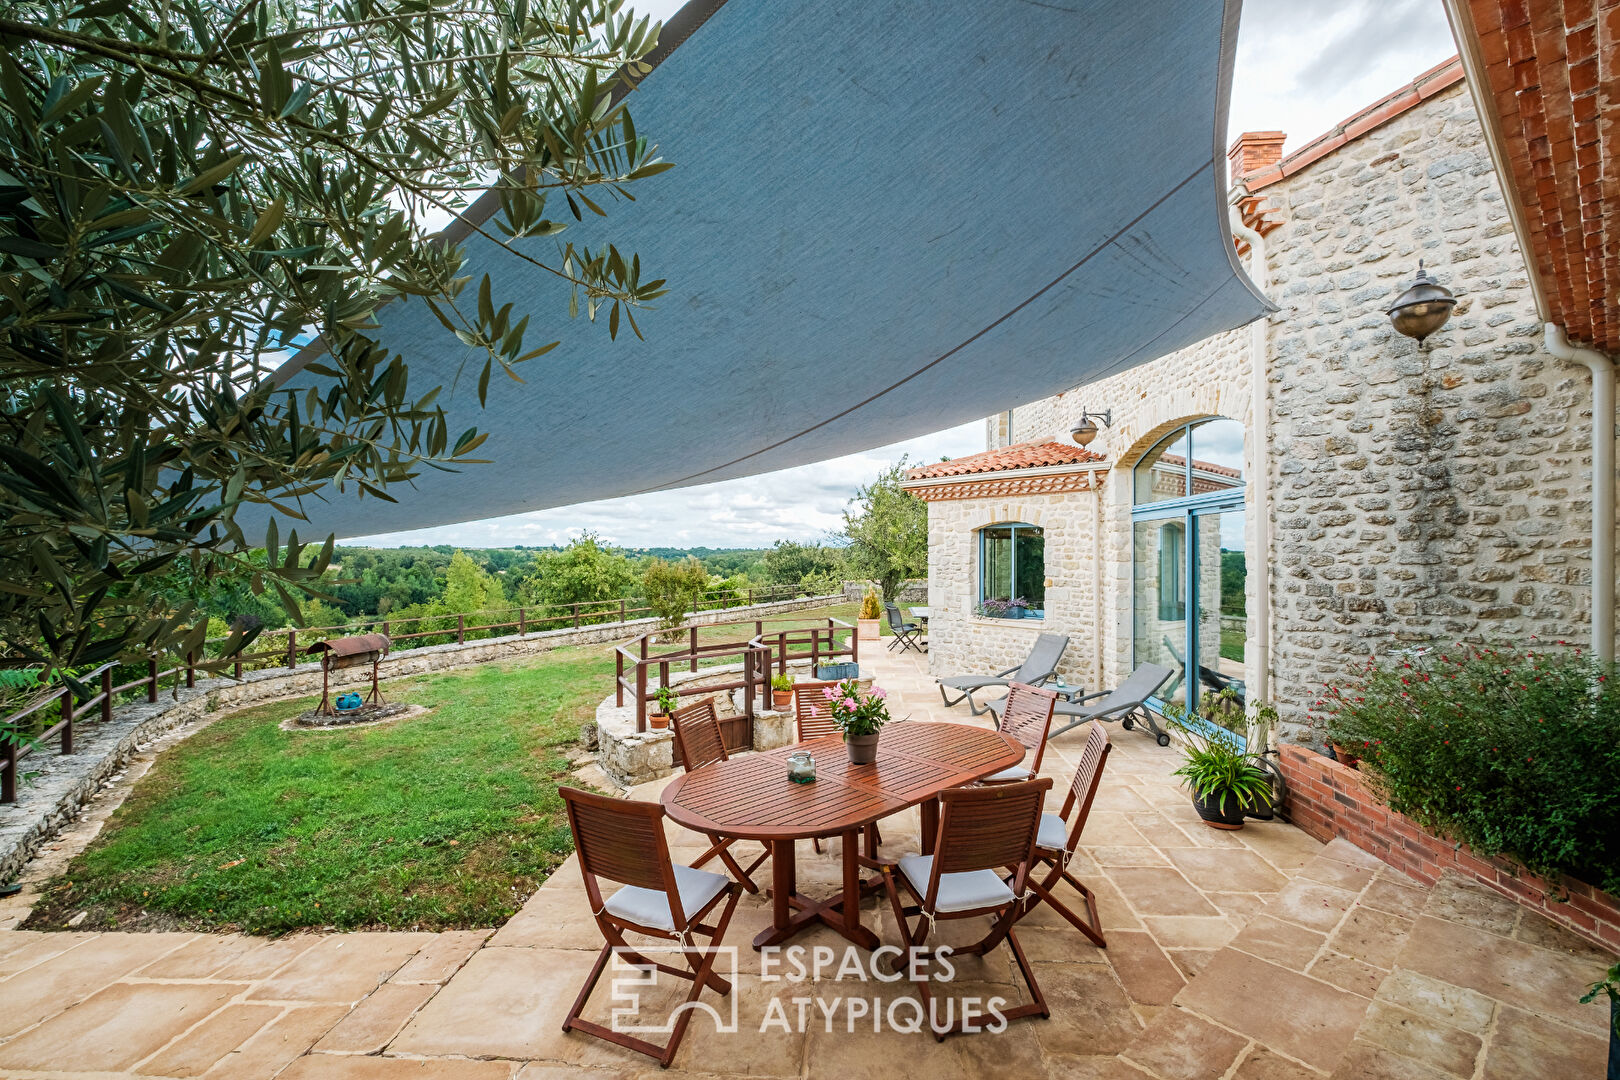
(15,745)
(15,750)
(472,625)
(758,656)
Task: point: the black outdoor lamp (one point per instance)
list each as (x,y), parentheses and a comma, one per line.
(1423,308)
(1086,429)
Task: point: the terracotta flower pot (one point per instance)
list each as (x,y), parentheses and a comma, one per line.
(862,748)
(1346,757)
(868,629)
(658,721)
(781,698)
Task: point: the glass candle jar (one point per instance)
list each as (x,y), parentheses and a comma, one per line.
(801,767)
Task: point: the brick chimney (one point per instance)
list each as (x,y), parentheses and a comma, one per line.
(1253,151)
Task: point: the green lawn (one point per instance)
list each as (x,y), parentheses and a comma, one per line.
(448,819)
(444,820)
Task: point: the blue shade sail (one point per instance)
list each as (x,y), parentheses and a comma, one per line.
(886,218)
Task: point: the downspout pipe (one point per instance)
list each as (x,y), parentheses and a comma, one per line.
(1602,368)
(1260,481)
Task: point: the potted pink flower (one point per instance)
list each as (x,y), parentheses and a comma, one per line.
(860,717)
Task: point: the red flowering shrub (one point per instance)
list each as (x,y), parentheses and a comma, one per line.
(1515,753)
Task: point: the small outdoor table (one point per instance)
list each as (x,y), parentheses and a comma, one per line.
(751,798)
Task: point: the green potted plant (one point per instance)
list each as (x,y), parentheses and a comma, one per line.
(870,617)
(781,691)
(1611,987)
(666,701)
(1224,780)
(860,717)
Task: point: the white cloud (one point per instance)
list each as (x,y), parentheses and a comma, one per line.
(1302,66)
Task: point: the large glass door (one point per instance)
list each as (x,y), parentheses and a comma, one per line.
(1189,568)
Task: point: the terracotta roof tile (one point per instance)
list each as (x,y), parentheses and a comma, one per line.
(1031,455)
(1440,77)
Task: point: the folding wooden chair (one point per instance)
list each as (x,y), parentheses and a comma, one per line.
(1059,834)
(982,830)
(813,711)
(1026,715)
(623,840)
(698,737)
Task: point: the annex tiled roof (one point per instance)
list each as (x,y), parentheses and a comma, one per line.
(1031,455)
(1549,72)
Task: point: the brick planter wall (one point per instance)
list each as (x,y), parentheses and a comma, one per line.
(1326,799)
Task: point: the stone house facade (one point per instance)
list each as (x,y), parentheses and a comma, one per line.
(1410,493)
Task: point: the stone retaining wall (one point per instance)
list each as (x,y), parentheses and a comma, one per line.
(53,787)
(1327,799)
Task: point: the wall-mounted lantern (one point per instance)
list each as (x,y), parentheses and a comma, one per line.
(1423,308)
(1086,429)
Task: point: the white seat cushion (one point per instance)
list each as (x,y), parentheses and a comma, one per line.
(957,892)
(1053,832)
(650,907)
(1013,772)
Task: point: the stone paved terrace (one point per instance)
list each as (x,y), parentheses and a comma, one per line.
(1258,955)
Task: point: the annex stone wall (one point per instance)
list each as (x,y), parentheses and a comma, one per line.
(963,643)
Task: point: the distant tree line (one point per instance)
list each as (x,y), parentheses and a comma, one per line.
(885,540)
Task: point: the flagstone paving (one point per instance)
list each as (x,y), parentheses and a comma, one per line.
(1257,955)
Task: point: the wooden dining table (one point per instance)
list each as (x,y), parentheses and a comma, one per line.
(751,798)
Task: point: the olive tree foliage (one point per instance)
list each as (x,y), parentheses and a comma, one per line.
(887,528)
(188,188)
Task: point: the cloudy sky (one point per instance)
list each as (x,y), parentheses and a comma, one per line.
(1302,66)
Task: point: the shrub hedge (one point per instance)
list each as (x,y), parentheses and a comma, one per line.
(1514,752)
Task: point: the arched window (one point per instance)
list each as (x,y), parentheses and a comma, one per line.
(1012,571)
(1189,563)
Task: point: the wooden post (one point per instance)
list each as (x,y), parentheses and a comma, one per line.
(694,648)
(576,614)
(855,646)
(461,629)
(523,622)
(815,649)
(292,647)
(236,669)
(106,694)
(67,721)
(8,773)
(621,610)
(618,678)
(748,688)
(750,597)
(191,670)
(641,694)
(151,680)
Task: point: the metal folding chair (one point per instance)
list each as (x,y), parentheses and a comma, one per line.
(623,840)
(906,635)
